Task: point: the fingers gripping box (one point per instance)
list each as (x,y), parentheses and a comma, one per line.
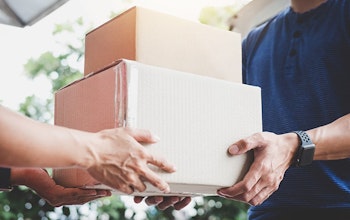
(196,117)
(159,39)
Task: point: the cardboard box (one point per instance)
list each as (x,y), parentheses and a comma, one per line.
(196,117)
(159,39)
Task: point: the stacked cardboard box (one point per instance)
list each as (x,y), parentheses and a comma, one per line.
(196,116)
(159,39)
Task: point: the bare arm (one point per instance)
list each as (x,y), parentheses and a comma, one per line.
(114,156)
(333,140)
(25,142)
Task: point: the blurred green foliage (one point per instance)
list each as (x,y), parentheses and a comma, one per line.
(220,16)
(22,203)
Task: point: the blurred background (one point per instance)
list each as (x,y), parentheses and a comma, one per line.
(41,50)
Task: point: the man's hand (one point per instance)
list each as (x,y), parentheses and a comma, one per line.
(38,180)
(273,155)
(165,202)
(121,162)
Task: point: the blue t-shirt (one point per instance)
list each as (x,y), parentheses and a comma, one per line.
(302,64)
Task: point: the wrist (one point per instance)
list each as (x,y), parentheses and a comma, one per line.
(19,176)
(26,176)
(292,141)
(86,156)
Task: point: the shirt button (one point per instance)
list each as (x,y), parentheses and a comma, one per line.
(293,52)
(296,34)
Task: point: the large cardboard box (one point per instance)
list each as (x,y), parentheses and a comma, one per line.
(196,117)
(159,39)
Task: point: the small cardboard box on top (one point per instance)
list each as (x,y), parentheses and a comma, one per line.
(159,39)
(196,117)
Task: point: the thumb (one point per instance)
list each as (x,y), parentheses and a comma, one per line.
(239,147)
(233,149)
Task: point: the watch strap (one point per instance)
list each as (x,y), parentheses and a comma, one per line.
(5,179)
(304,137)
(304,155)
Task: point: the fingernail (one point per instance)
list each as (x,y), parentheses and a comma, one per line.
(102,193)
(158,199)
(174,168)
(233,149)
(219,192)
(156,138)
(175,199)
(99,193)
(167,189)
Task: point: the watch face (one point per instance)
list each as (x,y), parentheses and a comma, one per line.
(307,155)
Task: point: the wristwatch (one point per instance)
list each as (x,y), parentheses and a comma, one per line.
(5,182)
(306,150)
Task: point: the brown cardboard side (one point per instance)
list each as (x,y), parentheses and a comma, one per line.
(76,105)
(118,34)
(73,177)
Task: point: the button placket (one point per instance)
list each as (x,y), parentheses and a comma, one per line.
(296,35)
(294,44)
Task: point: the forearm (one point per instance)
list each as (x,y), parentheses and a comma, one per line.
(25,142)
(332,140)
(113,157)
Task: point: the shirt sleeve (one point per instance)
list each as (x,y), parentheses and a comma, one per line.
(5,179)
